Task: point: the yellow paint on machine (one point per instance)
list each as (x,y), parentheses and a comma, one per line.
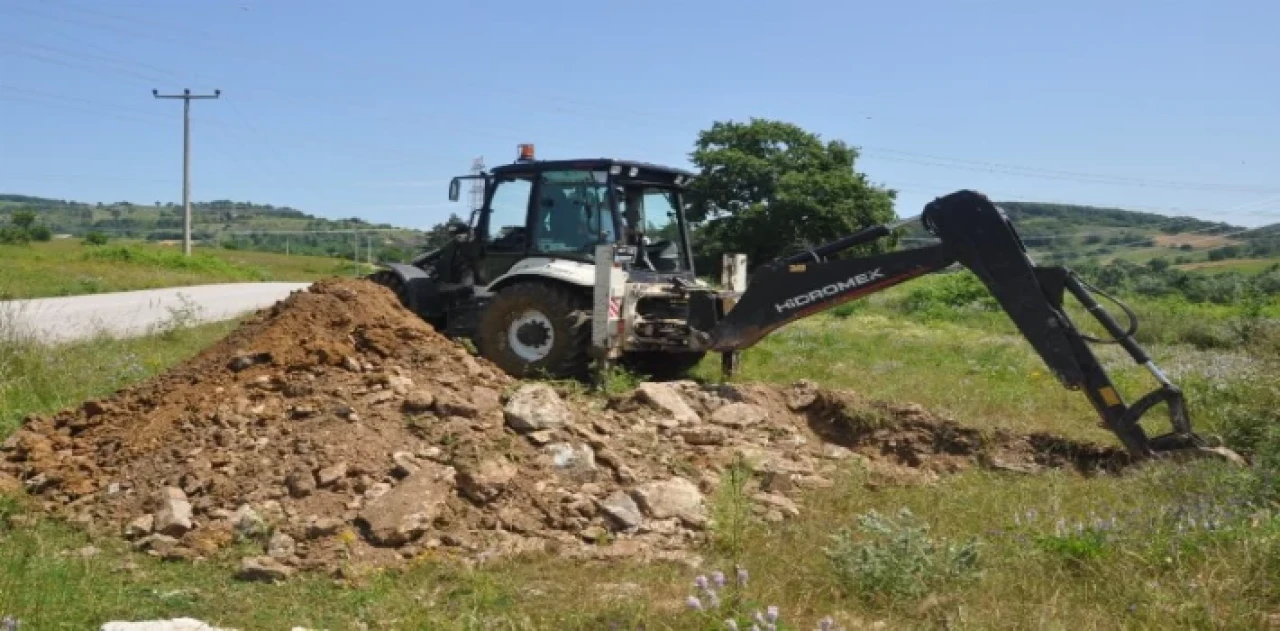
(1109,395)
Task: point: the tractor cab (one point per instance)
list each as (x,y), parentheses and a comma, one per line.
(562,210)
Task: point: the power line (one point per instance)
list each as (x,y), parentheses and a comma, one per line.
(186,97)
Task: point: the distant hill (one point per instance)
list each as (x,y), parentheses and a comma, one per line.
(1063,232)
(226,223)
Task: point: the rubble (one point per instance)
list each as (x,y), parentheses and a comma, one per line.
(338,430)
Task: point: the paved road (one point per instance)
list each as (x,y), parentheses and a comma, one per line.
(133,313)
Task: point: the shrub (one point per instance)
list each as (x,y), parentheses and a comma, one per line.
(10,235)
(95,238)
(40,233)
(960,290)
(896,557)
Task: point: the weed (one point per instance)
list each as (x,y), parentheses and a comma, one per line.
(172,259)
(897,557)
(731,508)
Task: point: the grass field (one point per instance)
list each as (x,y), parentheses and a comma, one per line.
(1247,266)
(1164,546)
(67,268)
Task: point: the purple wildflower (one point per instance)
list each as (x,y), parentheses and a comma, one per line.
(693,603)
(717,577)
(771,613)
(701,583)
(742,577)
(826,624)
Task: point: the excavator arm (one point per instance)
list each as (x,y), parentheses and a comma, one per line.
(976,234)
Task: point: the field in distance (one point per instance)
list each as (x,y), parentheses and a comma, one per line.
(67,267)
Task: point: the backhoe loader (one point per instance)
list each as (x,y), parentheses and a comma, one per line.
(575,264)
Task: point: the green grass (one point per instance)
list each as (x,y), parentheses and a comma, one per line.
(1143,574)
(37,377)
(67,268)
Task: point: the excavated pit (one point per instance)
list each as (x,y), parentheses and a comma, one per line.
(337,429)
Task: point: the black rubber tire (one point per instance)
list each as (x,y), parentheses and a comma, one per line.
(569,312)
(659,366)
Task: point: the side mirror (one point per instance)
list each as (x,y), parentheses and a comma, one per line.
(455,187)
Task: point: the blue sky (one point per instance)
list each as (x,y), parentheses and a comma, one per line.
(367,108)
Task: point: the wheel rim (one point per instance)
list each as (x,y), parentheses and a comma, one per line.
(531,335)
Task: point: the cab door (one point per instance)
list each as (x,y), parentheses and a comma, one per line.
(504,228)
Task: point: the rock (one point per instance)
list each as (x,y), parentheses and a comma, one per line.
(536,406)
(175,624)
(281,546)
(399,384)
(300,483)
(324,527)
(173,518)
(241,362)
(407,511)
(156,544)
(779,502)
(622,510)
(667,400)
(739,415)
(208,540)
(675,497)
(247,523)
(566,456)
(1027,468)
(774,482)
(801,395)
(406,464)
(541,437)
(832,451)
(703,436)
(330,475)
(485,481)
(419,401)
(263,569)
(86,552)
(377,490)
(593,533)
(351,363)
(141,526)
(453,406)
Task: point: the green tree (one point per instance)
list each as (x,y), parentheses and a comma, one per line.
(767,188)
(23,219)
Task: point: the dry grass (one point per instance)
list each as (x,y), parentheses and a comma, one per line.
(1198,241)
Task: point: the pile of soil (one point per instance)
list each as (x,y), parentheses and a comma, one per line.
(337,429)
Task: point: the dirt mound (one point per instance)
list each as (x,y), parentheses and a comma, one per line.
(337,428)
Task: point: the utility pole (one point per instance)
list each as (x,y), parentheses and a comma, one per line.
(186,97)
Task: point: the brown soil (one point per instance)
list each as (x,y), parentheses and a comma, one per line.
(337,428)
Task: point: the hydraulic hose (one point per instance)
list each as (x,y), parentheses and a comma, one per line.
(1133,317)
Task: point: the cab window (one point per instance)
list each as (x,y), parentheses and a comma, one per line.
(508,212)
(573,212)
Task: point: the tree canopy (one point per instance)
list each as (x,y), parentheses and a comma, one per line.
(767,188)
